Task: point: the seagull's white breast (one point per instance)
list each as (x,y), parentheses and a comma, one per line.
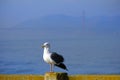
(47,58)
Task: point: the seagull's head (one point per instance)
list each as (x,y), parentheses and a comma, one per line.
(46,45)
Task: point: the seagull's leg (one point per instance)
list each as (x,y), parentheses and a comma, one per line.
(53,67)
(50,67)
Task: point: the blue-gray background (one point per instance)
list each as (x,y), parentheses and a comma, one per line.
(85,32)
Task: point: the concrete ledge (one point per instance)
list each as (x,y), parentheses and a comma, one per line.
(58,76)
(20,77)
(55,76)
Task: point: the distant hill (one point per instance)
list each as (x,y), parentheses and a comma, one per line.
(51,21)
(60,22)
(61,26)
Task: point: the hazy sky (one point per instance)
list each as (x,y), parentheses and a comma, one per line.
(13,12)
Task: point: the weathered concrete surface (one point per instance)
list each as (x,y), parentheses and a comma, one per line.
(55,76)
(58,76)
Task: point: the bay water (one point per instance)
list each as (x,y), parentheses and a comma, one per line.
(84,52)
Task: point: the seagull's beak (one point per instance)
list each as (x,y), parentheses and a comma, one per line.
(42,46)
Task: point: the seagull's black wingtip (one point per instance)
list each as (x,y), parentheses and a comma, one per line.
(61,65)
(66,69)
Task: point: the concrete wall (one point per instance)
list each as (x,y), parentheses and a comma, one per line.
(59,76)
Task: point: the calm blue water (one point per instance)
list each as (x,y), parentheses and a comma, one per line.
(84,52)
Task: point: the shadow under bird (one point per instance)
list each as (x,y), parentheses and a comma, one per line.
(52,58)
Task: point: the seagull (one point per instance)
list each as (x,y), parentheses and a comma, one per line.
(52,58)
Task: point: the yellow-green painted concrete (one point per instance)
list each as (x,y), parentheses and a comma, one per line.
(58,76)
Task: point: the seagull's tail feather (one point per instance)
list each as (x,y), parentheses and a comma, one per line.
(61,65)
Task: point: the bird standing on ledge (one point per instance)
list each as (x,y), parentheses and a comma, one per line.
(52,58)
